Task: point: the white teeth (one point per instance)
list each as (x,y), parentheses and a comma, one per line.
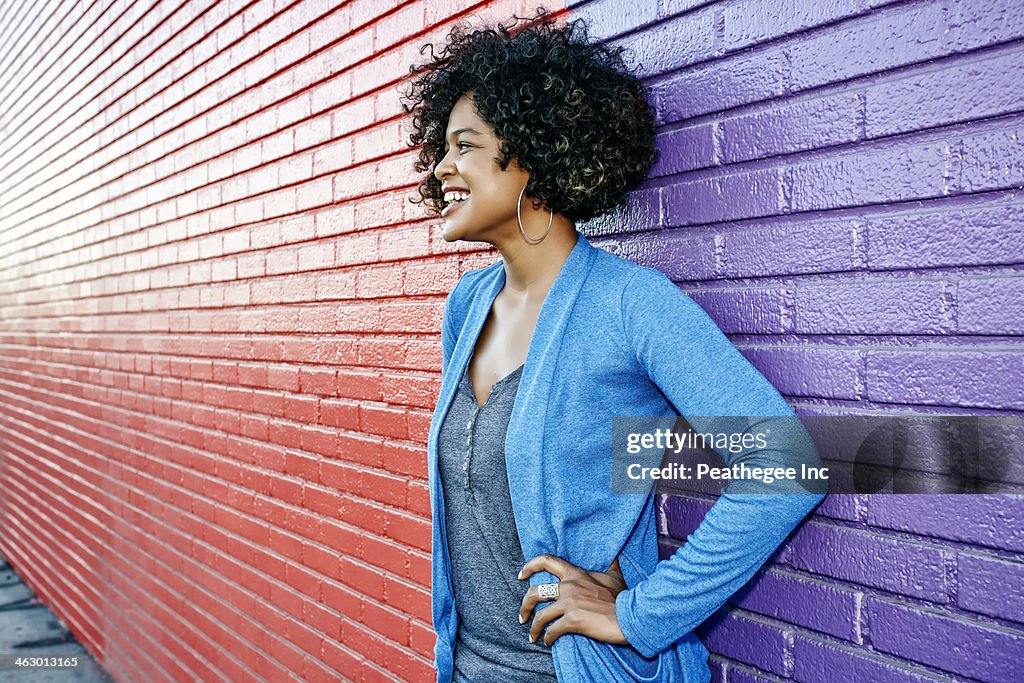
(450,197)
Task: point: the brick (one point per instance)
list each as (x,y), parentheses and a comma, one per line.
(848,507)
(946,93)
(990,305)
(750,640)
(940,377)
(422,639)
(354,448)
(681,255)
(820,660)
(641,211)
(989,585)
(953,235)
(387,622)
(991,159)
(321,381)
(359,385)
(418,498)
(761,310)
(357,248)
(332,157)
(789,247)
(403,459)
(951,643)
(883,306)
(411,317)
(691,40)
(343,414)
(430,278)
(724,84)
(809,371)
(871,559)
(682,515)
(977,24)
(322,502)
(340,658)
(382,352)
(750,23)
(407,597)
(717,666)
(802,601)
(337,285)
(357,318)
(898,36)
(888,171)
(606,18)
(684,149)
(738,675)
(382,421)
(786,128)
(380,282)
(408,530)
(718,198)
(991,521)
(398,26)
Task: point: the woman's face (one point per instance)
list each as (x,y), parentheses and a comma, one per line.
(470,165)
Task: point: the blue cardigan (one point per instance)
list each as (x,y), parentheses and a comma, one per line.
(614,339)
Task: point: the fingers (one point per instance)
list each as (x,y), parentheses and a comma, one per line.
(561,568)
(565,624)
(532,599)
(549,563)
(543,617)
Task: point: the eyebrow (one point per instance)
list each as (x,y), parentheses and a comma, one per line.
(464,130)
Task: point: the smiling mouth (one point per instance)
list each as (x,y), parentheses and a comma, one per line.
(450,208)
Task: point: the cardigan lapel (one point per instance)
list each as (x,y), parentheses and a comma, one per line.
(524,439)
(551,321)
(443,600)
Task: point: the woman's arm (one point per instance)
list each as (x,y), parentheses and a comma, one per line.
(703,374)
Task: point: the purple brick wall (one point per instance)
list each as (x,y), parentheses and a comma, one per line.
(840,187)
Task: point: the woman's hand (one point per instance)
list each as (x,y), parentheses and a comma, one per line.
(585,602)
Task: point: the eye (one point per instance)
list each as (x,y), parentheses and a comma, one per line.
(458,145)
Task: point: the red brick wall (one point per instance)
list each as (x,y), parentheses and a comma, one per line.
(219,317)
(219,320)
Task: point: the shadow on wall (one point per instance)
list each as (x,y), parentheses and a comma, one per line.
(30,632)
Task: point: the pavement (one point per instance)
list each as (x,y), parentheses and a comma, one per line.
(28,629)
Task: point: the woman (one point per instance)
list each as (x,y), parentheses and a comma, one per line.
(540,571)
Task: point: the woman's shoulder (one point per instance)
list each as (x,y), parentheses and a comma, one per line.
(623,279)
(472,280)
(466,287)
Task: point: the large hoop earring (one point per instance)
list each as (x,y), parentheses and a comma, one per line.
(519,218)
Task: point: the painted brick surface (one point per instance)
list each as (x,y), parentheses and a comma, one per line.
(991,586)
(952,643)
(219,340)
(870,559)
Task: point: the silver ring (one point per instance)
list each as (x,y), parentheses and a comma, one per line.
(548,591)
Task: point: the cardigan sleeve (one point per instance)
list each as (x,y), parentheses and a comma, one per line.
(703,374)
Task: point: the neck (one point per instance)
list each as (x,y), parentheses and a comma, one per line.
(530,269)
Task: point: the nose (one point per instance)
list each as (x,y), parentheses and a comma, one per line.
(444,167)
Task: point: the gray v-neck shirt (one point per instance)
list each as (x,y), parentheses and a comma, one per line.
(490,644)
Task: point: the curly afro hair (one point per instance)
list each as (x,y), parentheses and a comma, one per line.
(570,112)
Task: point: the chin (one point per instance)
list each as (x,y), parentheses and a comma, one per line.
(450,233)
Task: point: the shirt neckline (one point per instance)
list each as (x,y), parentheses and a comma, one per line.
(467,385)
